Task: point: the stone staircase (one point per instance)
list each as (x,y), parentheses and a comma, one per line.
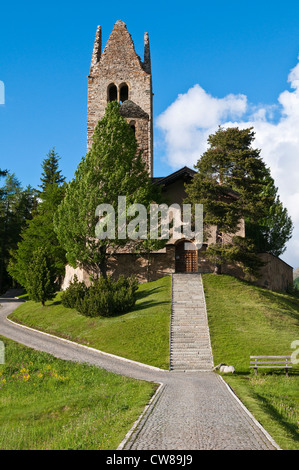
(190,347)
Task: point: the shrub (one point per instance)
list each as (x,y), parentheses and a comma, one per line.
(40,277)
(105,297)
(73,294)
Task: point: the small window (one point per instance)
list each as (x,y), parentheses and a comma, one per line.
(123,92)
(112,92)
(132,125)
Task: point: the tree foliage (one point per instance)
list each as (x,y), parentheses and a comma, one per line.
(233,183)
(274,229)
(50,171)
(39,231)
(16,206)
(40,277)
(113,167)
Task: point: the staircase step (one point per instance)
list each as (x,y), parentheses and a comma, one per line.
(190,347)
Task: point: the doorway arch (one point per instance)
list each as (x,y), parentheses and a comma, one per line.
(186,260)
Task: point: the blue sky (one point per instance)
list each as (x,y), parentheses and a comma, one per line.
(231,57)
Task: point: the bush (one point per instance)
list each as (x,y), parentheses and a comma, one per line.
(40,277)
(104,297)
(73,294)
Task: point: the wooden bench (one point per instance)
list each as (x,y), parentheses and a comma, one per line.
(271,362)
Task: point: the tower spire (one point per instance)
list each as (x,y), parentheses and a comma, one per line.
(97,50)
(147,54)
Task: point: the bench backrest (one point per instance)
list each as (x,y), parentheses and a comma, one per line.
(275,361)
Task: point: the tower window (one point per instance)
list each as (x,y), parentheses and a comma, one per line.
(123,92)
(112,92)
(132,125)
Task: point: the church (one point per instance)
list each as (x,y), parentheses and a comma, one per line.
(118,73)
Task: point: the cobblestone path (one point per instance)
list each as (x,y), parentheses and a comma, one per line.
(196,411)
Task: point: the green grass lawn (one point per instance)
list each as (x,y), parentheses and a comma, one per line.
(245,320)
(141,335)
(47,403)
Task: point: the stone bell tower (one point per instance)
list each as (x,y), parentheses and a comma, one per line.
(118,73)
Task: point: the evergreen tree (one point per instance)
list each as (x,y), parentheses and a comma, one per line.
(15,209)
(231,183)
(40,278)
(112,168)
(2,173)
(272,231)
(51,173)
(39,232)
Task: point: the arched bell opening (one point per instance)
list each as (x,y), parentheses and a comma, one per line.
(123,92)
(112,92)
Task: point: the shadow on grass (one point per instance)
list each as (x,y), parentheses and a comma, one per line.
(142,304)
(294,372)
(141,294)
(148,304)
(278,417)
(56,302)
(287,302)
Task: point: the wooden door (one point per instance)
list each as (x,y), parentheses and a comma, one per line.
(191,261)
(185,260)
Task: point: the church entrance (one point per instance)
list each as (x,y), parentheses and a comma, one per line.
(185,259)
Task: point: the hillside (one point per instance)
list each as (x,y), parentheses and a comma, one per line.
(246,320)
(295,273)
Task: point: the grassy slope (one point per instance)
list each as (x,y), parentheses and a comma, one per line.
(47,403)
(245,320)
(141,335)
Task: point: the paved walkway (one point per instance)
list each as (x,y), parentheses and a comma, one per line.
(191,410)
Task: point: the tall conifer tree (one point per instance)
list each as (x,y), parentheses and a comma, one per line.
(233,183)
(50,170)
(113,167)
(39,232)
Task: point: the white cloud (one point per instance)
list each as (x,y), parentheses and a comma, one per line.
(187,123)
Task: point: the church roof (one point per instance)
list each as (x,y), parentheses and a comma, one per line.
(184,173)
(129,109)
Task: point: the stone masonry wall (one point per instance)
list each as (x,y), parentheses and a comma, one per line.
(119,64)
(275,275)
